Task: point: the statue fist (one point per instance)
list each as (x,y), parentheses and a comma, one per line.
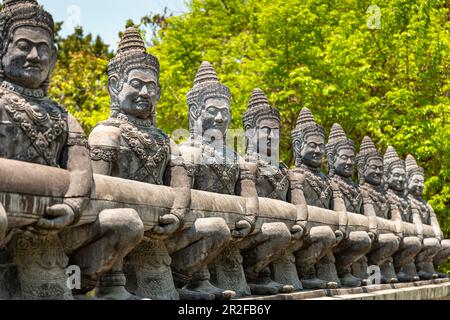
(57,218)
(297,232)
(168,224)
(373,236)
(242,230)
(339,236)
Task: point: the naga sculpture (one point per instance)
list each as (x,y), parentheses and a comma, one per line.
(262,129)
(320,191)
(129,145)
(370,170)
(435,250)
(395,180)
(35,129)
(221,170)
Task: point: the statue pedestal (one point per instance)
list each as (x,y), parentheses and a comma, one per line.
(41,264)
(149,267)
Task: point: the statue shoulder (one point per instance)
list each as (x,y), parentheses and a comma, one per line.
(74,125)
(190,154)
(105,135)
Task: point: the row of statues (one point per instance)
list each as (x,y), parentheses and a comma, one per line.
(121,258)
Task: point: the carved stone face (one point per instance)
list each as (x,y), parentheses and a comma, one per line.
(396,179)
(215,115)
(313,150)
(416,185)
(266,137)
(344,162)
(140,94)
(30,57)
(373,172)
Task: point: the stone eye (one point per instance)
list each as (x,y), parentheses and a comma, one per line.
(44,49)
(136,84)
(23,45)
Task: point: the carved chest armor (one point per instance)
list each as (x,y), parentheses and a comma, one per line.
(217,172)
(379,200)
(272,182)
(424,209)
(143,155)
(351,193)
(403,204)
(316,188)
(31,129)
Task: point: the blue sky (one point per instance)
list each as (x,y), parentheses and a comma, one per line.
(106,17)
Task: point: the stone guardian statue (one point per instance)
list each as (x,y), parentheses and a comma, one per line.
(395,180)
(370,171)
(262,130)
(436,250)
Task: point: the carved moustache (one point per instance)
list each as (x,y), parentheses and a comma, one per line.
(32,66)
(144,102)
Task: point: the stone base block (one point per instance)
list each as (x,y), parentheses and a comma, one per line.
(438,289)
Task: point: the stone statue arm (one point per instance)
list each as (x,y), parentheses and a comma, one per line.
(417,220)
(104,145)
(341,209)
(397,218)
(435,224)
(178,175)
(297,198)
(247,186)
(75,158)
(369,211)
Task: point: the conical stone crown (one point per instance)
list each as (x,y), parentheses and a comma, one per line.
(337,134)
(205,74)
(131,41)
(258,100)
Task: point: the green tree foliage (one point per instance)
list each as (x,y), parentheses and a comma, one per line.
(79,81)
(391,83)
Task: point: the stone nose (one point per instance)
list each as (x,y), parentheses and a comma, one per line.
(33,55)
(219,117)
(144,92)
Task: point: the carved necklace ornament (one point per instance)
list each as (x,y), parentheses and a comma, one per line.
(151,147)
(379,198)
(31,115)
(350,191)
(402,204)
(424,210)
(318,183)
(224,168)
(277,177)
(32,93)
